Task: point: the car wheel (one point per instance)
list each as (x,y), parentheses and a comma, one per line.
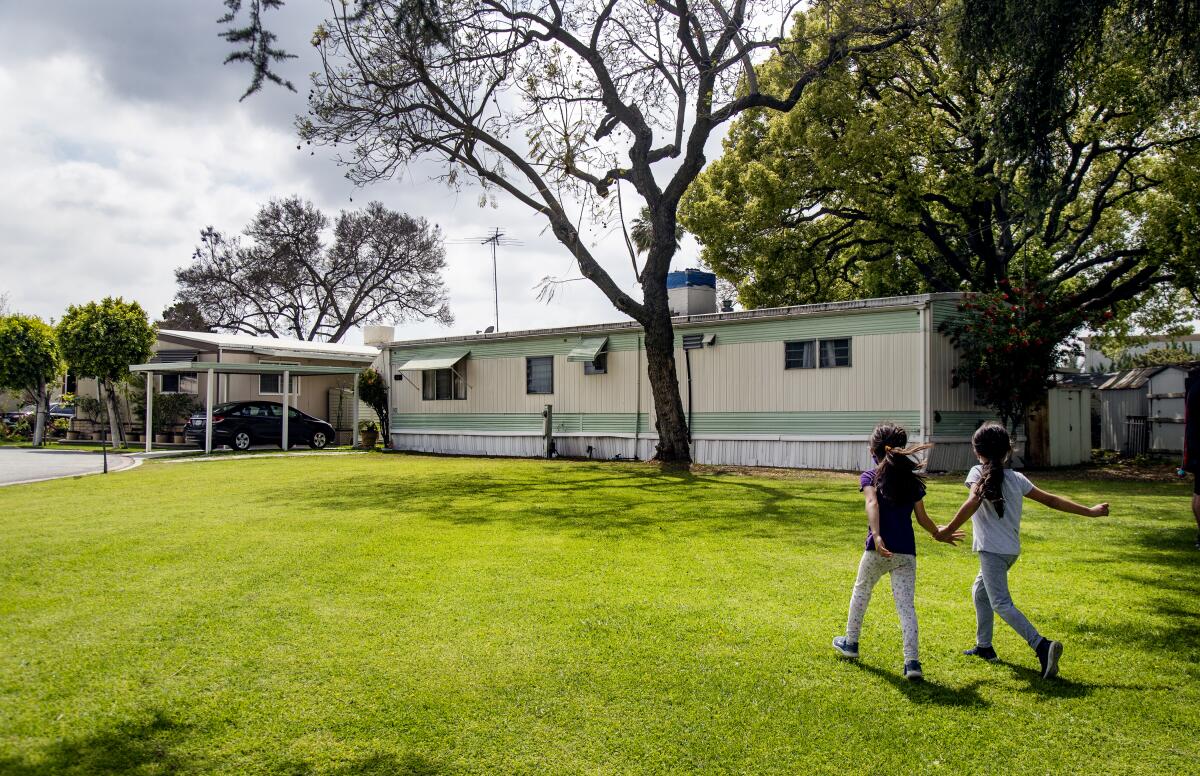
(241,440)
(318,440)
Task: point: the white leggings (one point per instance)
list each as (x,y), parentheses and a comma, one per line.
(903,569)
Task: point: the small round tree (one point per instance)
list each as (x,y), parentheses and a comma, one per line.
(30,361)
(101,340)
(1008,348)
(372,389)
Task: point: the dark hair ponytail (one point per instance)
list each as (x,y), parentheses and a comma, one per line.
(991,443)
(897,470)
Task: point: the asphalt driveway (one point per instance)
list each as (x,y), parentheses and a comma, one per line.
(26,465)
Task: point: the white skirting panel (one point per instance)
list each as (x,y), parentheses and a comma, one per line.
(827,455)
(951,457)
(834,456)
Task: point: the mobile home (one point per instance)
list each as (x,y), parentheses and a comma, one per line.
(794,386)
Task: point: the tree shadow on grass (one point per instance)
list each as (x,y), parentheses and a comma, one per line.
(928,691)
(128,747)
(588,499)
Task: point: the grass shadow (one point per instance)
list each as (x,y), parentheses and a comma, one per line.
(128,747)
(928,691)
(597,497)
(1058,687)
(374,764)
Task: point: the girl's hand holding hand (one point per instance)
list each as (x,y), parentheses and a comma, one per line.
(1100,510)
(880,548)
(950,538)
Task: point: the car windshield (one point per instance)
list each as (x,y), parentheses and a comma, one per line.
(222,409)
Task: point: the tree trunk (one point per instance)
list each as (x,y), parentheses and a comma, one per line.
(674,445)
(39,416)
(116,435)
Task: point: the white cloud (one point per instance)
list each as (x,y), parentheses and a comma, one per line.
(105,191)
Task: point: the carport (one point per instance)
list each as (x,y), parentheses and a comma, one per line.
(216,368)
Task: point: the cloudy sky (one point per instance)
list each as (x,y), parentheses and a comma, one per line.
(121,136)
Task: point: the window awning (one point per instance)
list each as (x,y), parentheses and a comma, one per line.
(444,362)
(174,356)
(588,349)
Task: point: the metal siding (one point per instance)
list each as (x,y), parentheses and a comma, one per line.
(751,378)
(942,396)
(1070,426)
(1115,407)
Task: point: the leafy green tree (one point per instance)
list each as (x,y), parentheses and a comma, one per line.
(372,389)
(102,340)
(886,179)
(1007,350)
(30,361)
(1042,45)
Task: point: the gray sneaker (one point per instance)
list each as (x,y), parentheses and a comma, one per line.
(1048,653)
(847,649)
(912,671)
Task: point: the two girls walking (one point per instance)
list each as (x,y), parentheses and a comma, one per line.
(894,493)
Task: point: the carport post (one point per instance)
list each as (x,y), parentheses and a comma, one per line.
(287,387)
(149,409)
(208,400)
(354,416)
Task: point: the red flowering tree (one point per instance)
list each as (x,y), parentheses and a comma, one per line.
(1010,341)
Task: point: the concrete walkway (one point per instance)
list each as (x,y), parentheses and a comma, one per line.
(20,465)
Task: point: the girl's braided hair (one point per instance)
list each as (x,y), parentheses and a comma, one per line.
(897,470)
(991,443)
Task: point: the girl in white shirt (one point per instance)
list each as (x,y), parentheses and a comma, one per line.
(994,505)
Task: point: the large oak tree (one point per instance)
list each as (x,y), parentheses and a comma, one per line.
(887,178)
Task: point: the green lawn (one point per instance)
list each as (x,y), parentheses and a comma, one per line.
(399,614)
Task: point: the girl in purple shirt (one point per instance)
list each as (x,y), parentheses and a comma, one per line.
(894,491)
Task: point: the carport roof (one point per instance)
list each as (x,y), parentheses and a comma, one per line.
(244,369)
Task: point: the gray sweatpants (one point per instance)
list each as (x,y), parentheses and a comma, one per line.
(991,595)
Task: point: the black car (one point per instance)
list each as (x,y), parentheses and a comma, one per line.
(241,424)
(29,412)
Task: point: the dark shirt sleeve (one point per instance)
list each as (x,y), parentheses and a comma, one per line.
(1191,443)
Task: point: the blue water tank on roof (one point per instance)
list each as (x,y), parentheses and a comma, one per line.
(691,277)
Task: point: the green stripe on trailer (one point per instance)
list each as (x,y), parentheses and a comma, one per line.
(732,423)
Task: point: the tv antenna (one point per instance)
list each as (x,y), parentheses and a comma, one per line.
(496,238)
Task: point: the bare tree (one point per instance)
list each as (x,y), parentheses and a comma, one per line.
(558,103)
(283,280)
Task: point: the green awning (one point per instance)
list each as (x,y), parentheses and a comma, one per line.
(444,362)
(588,349)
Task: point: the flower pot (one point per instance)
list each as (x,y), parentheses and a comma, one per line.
(162,439)
(368,439)
(178,439)
(72,435)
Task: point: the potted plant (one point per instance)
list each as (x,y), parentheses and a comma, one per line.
(368,434)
